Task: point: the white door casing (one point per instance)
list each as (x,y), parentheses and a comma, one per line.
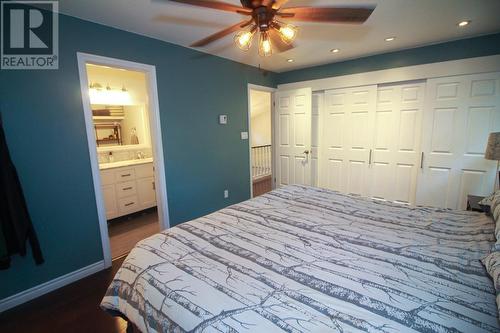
(395,159)
(348,115)
(156,138)
(460,112)
(293,128)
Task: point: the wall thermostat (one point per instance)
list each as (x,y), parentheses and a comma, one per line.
(222,119)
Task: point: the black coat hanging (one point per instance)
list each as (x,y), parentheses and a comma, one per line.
(15,222)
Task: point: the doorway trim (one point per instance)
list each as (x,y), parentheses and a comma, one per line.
(251,86)
(156,139)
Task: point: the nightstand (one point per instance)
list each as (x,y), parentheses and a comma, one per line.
(473,204)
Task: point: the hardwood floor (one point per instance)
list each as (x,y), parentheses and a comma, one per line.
(71,309)
(261,185)
(125,232)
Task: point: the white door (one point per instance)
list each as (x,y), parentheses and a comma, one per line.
(459,114)
(293,128)
(395,159)
(347,132)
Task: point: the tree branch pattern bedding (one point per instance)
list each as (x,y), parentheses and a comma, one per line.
(303,259)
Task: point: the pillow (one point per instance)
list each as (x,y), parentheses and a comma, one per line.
(488,201)
(496,213)
(492,264)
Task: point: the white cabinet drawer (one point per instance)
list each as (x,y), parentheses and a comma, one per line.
(128,204)
(126,189)
(123,175)
(107,177)
(144,170)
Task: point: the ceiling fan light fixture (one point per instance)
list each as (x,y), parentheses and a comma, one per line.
(287,32)
(265,46)
(243,39)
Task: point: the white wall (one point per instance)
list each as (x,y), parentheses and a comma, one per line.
(260,118)
(134,82)
(261,129)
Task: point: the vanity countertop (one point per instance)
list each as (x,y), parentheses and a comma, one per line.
(118,164)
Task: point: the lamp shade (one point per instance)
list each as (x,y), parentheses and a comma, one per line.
(493,147)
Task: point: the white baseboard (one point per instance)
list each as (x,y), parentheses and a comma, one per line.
(46,287)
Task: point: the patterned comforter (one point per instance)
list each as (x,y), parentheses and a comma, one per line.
(303,259)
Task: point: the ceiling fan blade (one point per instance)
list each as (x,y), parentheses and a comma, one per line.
(216,5)
(253,3)
(332,14)
(221,33)
(277,43)
(277,4)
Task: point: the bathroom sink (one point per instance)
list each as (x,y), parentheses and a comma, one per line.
(118,164)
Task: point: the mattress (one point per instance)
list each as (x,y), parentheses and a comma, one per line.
(304,259)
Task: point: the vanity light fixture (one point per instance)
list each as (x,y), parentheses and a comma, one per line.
(390,39)
(464,23)
(108,96)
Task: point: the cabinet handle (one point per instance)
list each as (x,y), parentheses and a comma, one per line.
(370,158)
(126,175)
(154,186)
(129,204)
(422,161)
(127,188)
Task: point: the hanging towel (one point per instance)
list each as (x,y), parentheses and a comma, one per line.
(15,221)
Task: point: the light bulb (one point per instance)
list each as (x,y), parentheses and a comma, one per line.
(287,32)
(265,47)
(243,39)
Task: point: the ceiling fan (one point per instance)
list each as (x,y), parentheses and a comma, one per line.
(264,19)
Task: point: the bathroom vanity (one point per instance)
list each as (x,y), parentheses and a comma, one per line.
(128,186)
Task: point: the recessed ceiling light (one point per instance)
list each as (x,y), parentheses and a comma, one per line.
(289,60)
(334,50)
(390,39)
(463,23)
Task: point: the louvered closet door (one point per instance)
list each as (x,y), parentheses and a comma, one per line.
(459,114)
(395,156)
(293,128)
(348,116)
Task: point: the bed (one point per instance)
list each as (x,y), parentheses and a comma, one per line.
(304,259)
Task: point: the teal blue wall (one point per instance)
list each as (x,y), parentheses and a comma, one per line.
(45,130)
(464,48)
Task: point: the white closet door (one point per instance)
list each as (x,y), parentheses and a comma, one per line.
(346,138)
(293,126)
(460,112)
(317,102)
(396,142)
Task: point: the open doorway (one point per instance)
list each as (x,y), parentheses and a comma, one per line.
(261,139)
(123,132)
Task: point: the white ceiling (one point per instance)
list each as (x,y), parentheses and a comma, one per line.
(413,22)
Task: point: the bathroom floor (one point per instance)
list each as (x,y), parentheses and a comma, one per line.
(126,231)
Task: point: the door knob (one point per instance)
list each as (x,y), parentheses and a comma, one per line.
(306,152)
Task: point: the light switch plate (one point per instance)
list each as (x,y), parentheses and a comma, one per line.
(222,119)
(244,135)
